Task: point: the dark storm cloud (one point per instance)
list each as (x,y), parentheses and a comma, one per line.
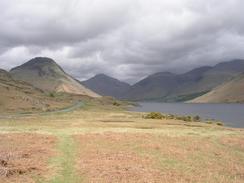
(125,39)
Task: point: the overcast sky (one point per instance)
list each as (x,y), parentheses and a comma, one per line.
(127,39)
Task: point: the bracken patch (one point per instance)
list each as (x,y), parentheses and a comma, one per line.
(123,157)
(24,157)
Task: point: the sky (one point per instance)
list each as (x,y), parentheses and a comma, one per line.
(126,39)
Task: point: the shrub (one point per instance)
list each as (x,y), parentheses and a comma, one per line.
(158,115)
(116,103)
(196,118)
(219,124)
(214,122)
(154,115)
(189,118)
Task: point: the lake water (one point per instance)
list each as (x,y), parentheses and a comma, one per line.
(230,114)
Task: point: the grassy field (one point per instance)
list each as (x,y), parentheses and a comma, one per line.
(104,143)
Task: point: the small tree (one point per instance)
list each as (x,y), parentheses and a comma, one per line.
(219,124)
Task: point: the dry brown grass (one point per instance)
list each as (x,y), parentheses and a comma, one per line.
(24,157)
(121,157)
(112,145)
(100,163)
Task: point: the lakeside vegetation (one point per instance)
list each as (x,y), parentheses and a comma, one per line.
(158,115)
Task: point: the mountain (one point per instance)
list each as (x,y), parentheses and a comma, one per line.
(106,86)
(46,74)
(165,86)
(154,86)
(171,87)
(221,73)
(20,96)
(229,92)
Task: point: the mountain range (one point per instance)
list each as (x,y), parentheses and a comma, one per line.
(220,83)
(170,87)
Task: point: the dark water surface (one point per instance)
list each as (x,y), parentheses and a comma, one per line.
(230,114)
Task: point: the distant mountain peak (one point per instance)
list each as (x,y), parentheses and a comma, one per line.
(232,62)
(162,74)
(42,59)
(237,60)
(101,75)
(38,63)
(165,73)
(106,85)
(105,78)
(200,69)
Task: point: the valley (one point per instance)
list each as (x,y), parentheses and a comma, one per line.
(55,129)
(104,91)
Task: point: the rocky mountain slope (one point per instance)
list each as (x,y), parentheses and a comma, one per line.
(21,96)
(229,92)
(46,74)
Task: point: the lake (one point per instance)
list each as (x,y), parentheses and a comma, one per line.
(230,114)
